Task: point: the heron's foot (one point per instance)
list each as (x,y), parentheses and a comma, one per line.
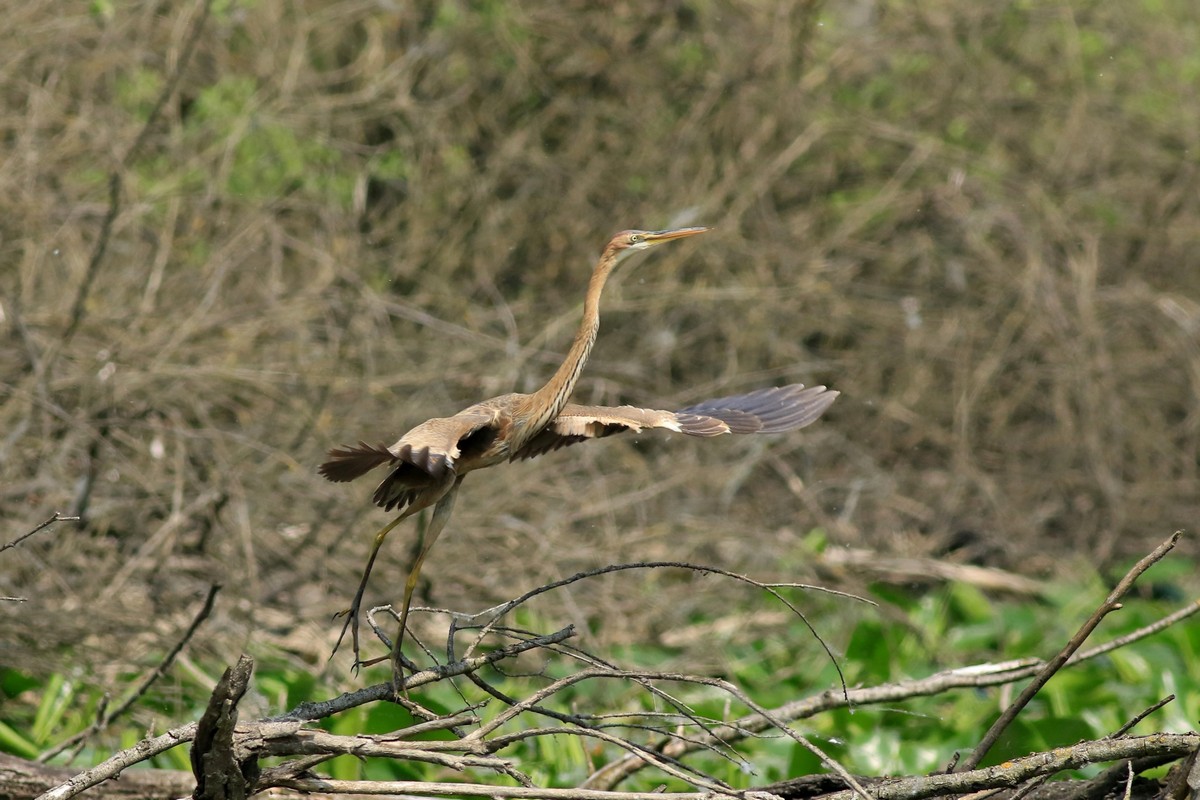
(351,615)
(399,661)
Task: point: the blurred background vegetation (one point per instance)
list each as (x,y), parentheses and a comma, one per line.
(978,221)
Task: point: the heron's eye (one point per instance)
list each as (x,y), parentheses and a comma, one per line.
(636,238)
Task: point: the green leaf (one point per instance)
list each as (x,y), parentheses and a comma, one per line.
(15,743)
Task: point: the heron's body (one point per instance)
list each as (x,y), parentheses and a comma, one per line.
(428,463)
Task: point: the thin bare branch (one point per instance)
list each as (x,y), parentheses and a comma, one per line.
(1140,633)
(803,741)
(53,519)
(649,756)
(118,762)
(1128,726)
(499,611)
(1008,775)
(383,691)
(285,735)
(682,712)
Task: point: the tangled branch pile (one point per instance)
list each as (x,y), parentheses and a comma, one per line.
(227,753)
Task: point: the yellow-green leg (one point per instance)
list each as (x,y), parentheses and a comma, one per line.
(441,513)
(355,606)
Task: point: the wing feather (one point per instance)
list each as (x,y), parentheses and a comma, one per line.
(420,459)
(773,410)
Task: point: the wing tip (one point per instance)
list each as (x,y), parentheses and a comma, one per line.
(774,409)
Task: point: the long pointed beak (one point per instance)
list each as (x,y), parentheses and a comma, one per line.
(654,237)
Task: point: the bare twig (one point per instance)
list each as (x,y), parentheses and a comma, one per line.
(118,762)
(1110,604)
(383,691)
(1101,784)
(771,588)
(1128,726)
(1140,633)
(682,712)
(1008,775)
(825,759)
(648,755)
(533,703)
(56,518)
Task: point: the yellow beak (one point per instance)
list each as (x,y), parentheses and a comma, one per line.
(655,237)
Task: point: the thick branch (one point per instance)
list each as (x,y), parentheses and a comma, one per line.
(1013,773)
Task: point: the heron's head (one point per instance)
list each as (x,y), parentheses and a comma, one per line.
(628,242)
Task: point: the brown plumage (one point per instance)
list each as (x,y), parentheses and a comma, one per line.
(428,463)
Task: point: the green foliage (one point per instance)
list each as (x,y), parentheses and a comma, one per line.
(269,160)
(137,92)
(935,630)
(102,10)
(54,709)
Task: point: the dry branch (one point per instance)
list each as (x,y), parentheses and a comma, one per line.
(56,517)
(1006,775)
(23,780)
(223,771)
(1016,771)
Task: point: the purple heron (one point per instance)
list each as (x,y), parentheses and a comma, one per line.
(428,463)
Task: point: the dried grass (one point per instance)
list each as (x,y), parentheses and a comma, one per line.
(978,223)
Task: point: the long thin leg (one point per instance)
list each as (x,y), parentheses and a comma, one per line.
(355,606)
(441,513)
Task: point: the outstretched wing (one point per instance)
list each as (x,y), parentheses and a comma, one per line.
(422,458)
(772,410)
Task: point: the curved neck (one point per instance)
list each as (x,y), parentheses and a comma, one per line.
(546,403)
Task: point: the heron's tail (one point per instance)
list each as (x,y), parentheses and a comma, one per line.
(348,463)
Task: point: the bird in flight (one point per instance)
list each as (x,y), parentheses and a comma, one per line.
(428,463)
